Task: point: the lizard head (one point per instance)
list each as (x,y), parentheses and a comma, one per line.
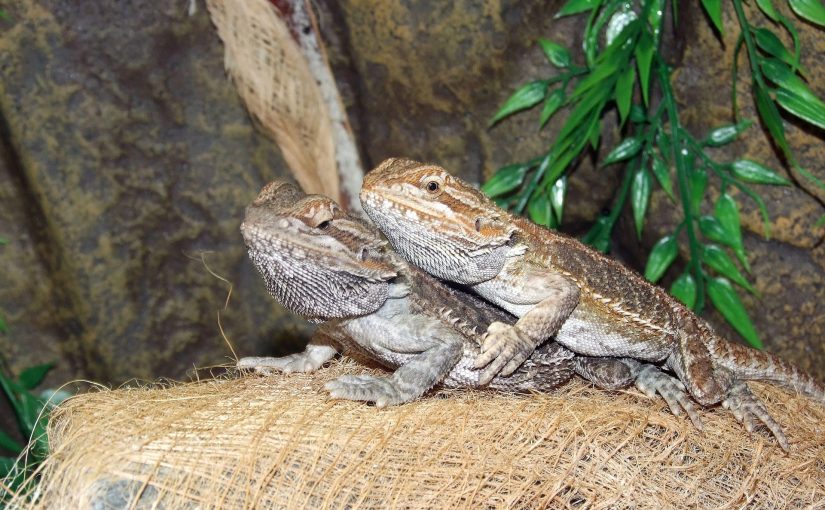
(437,221)
(315,259)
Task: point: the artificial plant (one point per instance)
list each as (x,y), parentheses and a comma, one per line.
(624,70)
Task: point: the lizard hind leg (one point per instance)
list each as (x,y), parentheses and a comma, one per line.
(409,382)
(616,373)
(651,381)
(748,409)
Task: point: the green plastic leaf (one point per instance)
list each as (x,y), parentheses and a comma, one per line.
(811,10)
(602,74)
(661,257)
(772,45)
(626,149)
(806,108)
(662,173)
(684,289)
(539,210)
(779,73)
(577,6)
(713,230)
(727,212)
(726,300)
(25,405)
(718,260)
(726,134)
(640,197)
(8,443)
(551,105)
(594,132)
(505,180)
(714,10)
(637,114)
(599,234)
(589,105)
(555,53)
(53,397)
(751,171)
(768,8)
(557,192)
(820,222)
(773,122)
(624,91)
(4,328)
(526,96)
(644,59)
(3,241)
(698,180)
(32,376)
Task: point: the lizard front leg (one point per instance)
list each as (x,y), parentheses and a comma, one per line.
(320,349)
(408,382)
(505,347)
(710,382)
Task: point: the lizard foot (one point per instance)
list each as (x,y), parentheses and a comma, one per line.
(503,350)
(268,366)
(380,390)
(308,361)
(651,380)
(749,410)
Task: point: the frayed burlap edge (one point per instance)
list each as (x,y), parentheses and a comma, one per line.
(293,98)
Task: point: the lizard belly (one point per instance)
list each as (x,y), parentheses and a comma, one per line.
(590,334)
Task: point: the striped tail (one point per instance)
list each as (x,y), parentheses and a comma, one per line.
(750,364)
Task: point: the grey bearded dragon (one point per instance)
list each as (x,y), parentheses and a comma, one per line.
(561,288)
(338,271)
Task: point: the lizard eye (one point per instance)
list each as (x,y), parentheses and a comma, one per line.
(323,225)
(433,185)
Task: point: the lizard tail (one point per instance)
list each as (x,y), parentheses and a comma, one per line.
(750,364)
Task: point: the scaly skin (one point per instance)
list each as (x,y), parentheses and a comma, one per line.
(336,270)
(561,288)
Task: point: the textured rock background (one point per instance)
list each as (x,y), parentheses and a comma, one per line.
(126,154)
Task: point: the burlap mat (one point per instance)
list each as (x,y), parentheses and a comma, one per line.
(280,442)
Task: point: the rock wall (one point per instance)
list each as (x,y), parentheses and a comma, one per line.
(127,160)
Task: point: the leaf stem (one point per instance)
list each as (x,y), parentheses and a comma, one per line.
(749,43)
(694,264)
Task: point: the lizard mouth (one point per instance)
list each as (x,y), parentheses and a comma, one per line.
(285,247)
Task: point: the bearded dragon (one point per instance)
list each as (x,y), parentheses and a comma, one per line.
(560,288)
(338,271)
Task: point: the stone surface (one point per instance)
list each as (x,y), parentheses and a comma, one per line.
(128,160)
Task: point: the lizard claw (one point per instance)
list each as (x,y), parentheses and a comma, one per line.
(749,410)
(503,350)
(380,390)
(652,381)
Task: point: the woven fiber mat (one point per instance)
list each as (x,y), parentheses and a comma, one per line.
(281,442)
